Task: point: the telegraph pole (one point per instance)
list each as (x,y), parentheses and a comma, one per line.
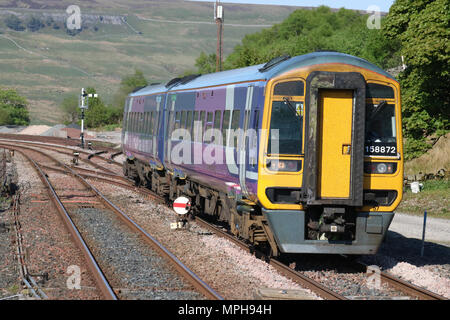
(84,105)
(218,16)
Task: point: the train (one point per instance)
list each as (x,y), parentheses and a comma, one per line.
(298,155)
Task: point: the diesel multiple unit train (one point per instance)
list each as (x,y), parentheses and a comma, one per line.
(299,155)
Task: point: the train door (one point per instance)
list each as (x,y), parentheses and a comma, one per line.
(335,143)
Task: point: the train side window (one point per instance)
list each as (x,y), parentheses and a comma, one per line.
(202,119)
(150,123)
(209,125)
(225,126)
(177,120)
(235,125)
(256,120)
(217,119)
(189,123)
(169,123)
(183,120)
(153,123)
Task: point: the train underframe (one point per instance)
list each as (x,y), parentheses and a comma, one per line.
(318,229)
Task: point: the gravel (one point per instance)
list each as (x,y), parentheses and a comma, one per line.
(132,267)
(232,272)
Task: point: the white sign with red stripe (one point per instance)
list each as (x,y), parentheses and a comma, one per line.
(182,205)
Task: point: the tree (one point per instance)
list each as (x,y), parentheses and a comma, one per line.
(423,29)
(307,31)
(70,109)
(127,85)
(206,63)
(34,24)
(13,22)
(13,108)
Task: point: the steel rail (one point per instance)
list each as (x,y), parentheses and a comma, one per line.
(198,283)
(98,275)
(324,292)
(69,153)
(406,287)
(314,286)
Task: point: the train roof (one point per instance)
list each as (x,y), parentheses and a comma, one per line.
(257,72)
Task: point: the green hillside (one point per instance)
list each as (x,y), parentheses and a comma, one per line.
(162,38)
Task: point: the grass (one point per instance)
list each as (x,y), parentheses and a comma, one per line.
(434,198)
(49,67)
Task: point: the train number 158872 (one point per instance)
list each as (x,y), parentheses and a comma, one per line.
(385,149)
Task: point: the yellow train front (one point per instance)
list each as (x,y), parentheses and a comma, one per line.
(330,164)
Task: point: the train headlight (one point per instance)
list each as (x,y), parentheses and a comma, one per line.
(380,167)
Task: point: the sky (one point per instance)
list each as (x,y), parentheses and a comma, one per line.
(348,4)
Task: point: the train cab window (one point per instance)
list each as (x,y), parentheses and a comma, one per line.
(289,88)
(286,127)
(375,90)
(381,137)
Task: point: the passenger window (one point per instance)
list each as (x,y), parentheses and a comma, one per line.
(177,120)
(217,119)
(225,126)
(235,126)
(189,123)
(183,120)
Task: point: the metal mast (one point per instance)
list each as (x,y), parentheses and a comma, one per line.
(218,17)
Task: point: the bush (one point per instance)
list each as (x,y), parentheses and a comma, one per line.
(13,22)
(13,108)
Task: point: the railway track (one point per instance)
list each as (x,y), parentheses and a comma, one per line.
(61,202)
(69,151)
(324,292)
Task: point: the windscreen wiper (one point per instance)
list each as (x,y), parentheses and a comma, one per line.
(291,106)
(378,109)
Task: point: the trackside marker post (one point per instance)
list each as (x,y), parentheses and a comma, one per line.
(423,232)
(181,206)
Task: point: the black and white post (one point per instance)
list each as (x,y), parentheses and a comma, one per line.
(84,104)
